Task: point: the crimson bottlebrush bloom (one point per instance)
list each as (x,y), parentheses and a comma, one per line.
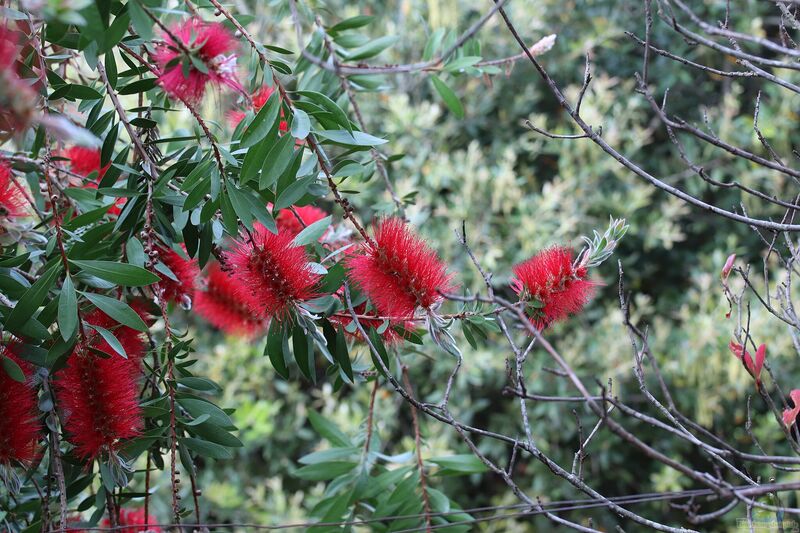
(258,99)
(398,271)
(552,286)
(272,273)
(287,221)
(221,305)
(209,43)
(132,521)
(83,161)
(19,423)
(98,397)
(186,272)
(12,201)
(790,415)
(754,368)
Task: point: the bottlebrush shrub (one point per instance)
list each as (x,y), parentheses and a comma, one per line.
(398,271)
(98,397)
(273,275)
(194,56)
(221,305)
(20,429)
(131,521)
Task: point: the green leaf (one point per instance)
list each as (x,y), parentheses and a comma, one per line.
(119,273)
(357,138)
(207,449)
(33,297)
(461,464)
(303,353)
(351,23)
(377,342)
(324,471)
(254,159)
(332,454)
(333,279)
(296,190)
(313,232)
(274,349)
(111,340)
(197,407)
(67,309)
(263,122)
(372,48)
(328,430)
(301,124)
(12,369)
(449,97)
(116,309)
(276,162)
(141,22)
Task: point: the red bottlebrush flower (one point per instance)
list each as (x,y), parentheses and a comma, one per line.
(132,341)
(550,284)
(208,43)
(84,161)
(19,423)
(287,221)
(790,415)
(398,271)
(18,99)
(12,201)
(221,305)
(272,273)
(186,272)
(98,396)
(754,368)
(134,521)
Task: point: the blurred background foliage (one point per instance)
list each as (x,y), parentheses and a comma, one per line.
(518,193)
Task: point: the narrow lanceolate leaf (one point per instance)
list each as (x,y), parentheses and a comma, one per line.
(301,125)
(263,122)
(67,309)
(111,340)
(274,349)
(12,369)
(119,311)
(32,299)
(119,273)
(356,138)
(313,232)
(450,99)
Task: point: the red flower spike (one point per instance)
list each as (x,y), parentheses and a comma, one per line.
(754,368)
(210,42)
(12,201)
(399,271)
(131,518)
(790,415)
(287,221)
(19,423)
(552,286)
(99,400)
(272,273)
(84,161)
(186,270)
(221,305)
